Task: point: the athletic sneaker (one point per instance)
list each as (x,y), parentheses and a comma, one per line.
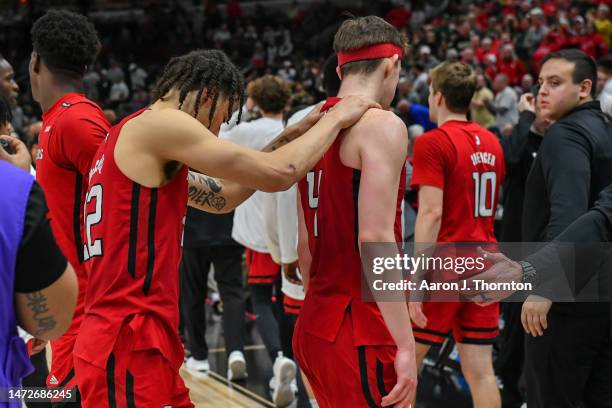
(236,366)
(284,370)
(272,385)
(201,366)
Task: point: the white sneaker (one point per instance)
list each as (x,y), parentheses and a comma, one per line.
(284,370)
(201,366)
(236,366)
(294,387)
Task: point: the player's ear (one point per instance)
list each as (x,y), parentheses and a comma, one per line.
(35,62)
(339,72)
(391,65)
(439,98)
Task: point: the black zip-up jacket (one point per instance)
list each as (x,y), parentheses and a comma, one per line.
(573,166)
(520,150)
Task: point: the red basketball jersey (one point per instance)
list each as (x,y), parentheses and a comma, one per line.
(329,196)
(72,130)
(466,161)
(133,249)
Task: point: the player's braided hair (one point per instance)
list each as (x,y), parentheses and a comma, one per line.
(210,72)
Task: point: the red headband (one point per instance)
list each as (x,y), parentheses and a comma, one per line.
(368,53)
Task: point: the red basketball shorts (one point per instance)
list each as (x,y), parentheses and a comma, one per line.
(468,322)
(344,375)
(261,268)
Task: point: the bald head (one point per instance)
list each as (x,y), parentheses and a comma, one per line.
(8,87)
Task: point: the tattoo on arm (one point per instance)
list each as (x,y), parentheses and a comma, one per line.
(285,137)
(205,190)
(276,143)
(37,302)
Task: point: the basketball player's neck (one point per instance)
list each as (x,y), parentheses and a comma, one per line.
(364,85)
(56,89)
(444,115)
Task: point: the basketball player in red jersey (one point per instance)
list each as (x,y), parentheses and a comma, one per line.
(355,353)
(458,169)
(65,44)
(128,352)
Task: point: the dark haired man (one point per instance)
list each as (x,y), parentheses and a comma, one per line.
(65,44)
(458,169)
(567,359)
(128,347)
(356,353)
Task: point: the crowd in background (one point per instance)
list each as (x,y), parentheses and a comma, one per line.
(504,40)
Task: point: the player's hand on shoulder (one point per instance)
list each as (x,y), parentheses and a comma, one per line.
(351,108)
(311,119)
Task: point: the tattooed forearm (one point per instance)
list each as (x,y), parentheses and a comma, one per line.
(276,143)
(285,137)
(205,191)
(37,303)
(215,195)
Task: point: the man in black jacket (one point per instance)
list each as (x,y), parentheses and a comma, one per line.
(520,150)
(568,358)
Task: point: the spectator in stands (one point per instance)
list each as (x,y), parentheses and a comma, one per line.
(138,77)
(405,91)
(119,91)
(414,114)
(604,74)
(504,106)
(510,65)
(526,85)
(536,31)
(478,111)
(603,23)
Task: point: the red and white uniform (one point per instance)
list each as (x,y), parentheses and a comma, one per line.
(128,348)
(342,343)
(72,130)
(465,161)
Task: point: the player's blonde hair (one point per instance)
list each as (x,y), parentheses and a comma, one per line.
(457,83)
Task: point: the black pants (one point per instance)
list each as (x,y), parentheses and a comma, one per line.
(509,363)
(570,366)
(195,265)
(268,315)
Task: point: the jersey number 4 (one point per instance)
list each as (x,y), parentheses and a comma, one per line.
(484,187)
(314,184)
(93,248)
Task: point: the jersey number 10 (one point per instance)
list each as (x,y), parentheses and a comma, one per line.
(484,187)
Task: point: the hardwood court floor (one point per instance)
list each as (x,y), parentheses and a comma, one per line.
(213,391)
